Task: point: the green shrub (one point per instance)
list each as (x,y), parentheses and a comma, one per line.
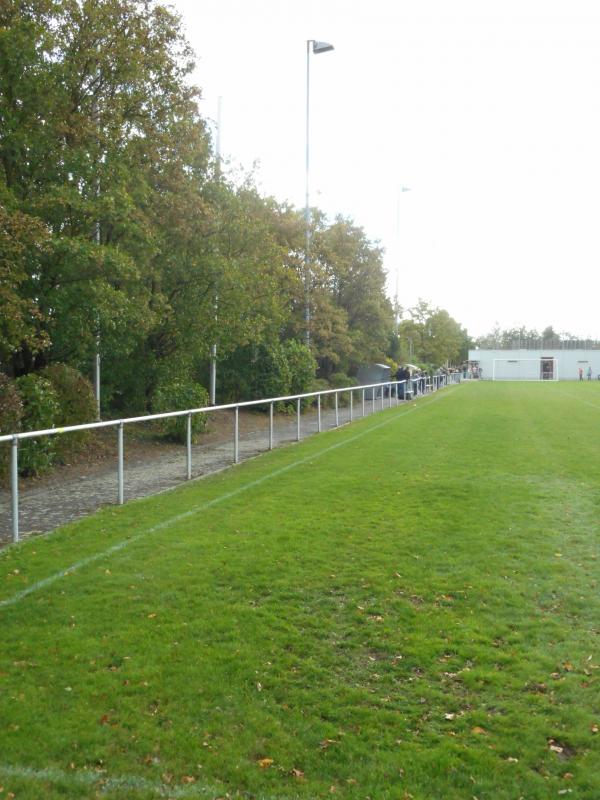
(302,367)
(267,370)
(40,411)
(339,380)
(321,385)
(178,395)
(11,411)
(253,372)
(77,405)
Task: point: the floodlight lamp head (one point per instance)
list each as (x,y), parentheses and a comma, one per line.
(321,47)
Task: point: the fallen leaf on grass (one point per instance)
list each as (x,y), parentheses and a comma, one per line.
(595,728)
(188,779)
(297,773)
(479,731)
(327,742)
(263,763)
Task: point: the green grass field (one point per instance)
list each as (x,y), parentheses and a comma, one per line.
(406,607)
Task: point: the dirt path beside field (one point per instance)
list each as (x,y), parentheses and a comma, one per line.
(74,490)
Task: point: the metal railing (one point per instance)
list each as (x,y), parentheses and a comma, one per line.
(390,390)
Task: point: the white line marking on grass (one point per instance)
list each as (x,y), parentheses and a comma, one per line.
(35,587)
(580,400)
(103,783)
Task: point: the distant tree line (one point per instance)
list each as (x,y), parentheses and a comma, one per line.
(531,339)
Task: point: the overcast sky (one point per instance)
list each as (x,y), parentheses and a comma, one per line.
(488,110)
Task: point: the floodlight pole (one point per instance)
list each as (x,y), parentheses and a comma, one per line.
(213,347)
(397,307)
(317,47)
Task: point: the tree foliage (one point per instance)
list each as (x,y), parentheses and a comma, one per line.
(118,228)
(430,336)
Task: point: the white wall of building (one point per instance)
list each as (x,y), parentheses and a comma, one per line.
(568,363)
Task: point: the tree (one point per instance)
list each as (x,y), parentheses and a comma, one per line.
(349,277)
(99,128)
(118,226)
(23,239)
(431,336)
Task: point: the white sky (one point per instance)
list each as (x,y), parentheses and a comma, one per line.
(489,110)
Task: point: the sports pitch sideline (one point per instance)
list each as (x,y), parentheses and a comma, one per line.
(406,607)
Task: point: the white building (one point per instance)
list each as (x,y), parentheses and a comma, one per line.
(535,365)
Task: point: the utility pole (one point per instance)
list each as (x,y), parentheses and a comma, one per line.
(213,349)
(317,48)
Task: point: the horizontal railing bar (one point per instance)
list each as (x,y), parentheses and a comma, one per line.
(88,426)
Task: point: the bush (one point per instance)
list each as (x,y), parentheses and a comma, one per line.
(11,411)
(179,395)
(77,405)
(321,385)
(253,372)
(40,411)
(339,380)
(302,367)
(260,371)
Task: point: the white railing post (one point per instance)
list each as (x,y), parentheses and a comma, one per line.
(382,398)
(337,414)
(120,462)
(189,446)
(351,405)
(319,413)
(298,404)
(14,487)
(236,435)
(363,402)
(270,426)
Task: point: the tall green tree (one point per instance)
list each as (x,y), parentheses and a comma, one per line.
(351,309)
(96,119)
(431,336)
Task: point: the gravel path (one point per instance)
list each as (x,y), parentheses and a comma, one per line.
(72,492)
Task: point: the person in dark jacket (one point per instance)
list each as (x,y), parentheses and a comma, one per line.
(402,374)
